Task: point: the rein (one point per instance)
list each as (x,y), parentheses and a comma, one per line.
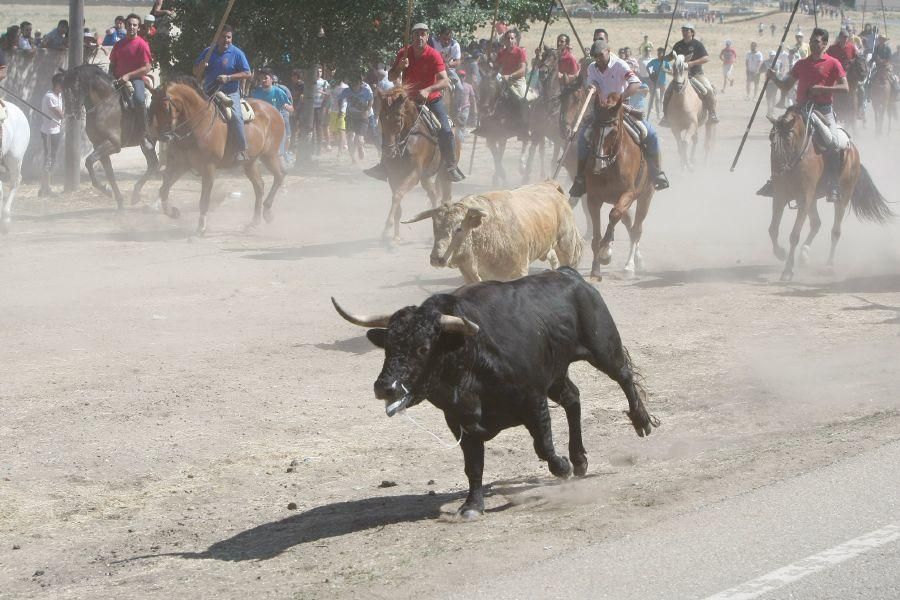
(70,114)
(611,124)
(782,152)
(399,148)
(174,131)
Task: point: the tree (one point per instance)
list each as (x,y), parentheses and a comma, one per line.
(345,34)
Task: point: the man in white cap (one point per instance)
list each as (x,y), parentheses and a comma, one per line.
(695,56)
(610,74)
(425,75)
(800,49)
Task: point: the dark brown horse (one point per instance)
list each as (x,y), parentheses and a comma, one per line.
(108,127)
(848,106)
(797,168)
(544,114)
(197,135)
(880,89)
(411,155)
(617,174)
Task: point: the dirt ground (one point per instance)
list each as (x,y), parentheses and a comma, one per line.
(166,397)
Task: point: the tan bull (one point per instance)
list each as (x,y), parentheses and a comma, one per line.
(496,235)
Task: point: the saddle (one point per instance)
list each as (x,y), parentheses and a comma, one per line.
(431,122)
(224,104)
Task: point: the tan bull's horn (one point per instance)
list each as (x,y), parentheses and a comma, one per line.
(362,320)
(422,216)
(458,325)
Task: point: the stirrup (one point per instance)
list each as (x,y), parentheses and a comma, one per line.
(378,172)
(578,187)
(660,181)
(454,174)
(834,194)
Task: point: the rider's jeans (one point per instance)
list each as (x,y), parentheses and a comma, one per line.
(239,138)
(140,93)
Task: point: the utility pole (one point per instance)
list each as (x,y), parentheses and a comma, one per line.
(73,122)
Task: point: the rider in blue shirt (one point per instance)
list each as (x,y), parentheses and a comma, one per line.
(223,70)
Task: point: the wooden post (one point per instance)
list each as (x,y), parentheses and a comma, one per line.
(74,125)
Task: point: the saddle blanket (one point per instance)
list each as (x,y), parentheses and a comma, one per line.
(225,107)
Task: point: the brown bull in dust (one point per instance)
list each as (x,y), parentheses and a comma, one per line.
(498,234)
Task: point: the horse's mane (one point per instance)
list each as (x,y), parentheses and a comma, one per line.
(188,80)
(92,70)
(398,91)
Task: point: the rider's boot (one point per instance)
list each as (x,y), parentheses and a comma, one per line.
(379,171)
(711,108)
(664,122)
(833,166)
(448,156)
(578,185)
(660,181)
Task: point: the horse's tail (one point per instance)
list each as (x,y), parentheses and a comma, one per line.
(868,203)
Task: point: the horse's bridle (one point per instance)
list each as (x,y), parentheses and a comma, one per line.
(606,126)
(780,149)
(173,134)
(398,148)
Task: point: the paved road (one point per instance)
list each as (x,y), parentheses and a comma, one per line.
(831,533)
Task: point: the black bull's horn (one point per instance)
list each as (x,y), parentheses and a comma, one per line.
(449,323)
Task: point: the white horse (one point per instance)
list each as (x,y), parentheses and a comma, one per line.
(16,135)
(686,114)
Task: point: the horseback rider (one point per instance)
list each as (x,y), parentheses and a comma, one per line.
(425,75)
(222,68)
(567,70)
(451,53)
(513,63)
(695,56)
(610,74)
(817,77)
(881,59)
(842,49)
(129,61)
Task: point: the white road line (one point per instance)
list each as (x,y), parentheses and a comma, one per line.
(809,565)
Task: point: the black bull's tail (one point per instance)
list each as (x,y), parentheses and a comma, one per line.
(867,202)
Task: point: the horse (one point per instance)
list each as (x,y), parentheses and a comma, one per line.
(544,113)
(410,154)
(108,127)
(616,173)
(197,133)
(880,95)
(797,167)
(686,114)
(14,137)
(850,105)
(500,120)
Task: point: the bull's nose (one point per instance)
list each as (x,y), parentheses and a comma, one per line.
(386,390)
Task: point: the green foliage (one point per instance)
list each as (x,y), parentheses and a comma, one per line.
(345,34)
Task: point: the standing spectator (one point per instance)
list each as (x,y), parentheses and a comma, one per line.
(466,105)
(321,92)
(868,39)
(781,70)
(760,28)
(728,56)
(51,129)
(753,63)
(116,33)
(148,29)
(358,100)
(26,42)
(450,52)
(10,40)
(772,28)
(337,121)
(298,91)
(643,61)
(630,60)
(658,67)
(800,47)
(58,37)
(646,45)
(267,91)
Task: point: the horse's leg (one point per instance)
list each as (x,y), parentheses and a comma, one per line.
(615,215)
(14,168)
(431,189)
(395,212)
(802,208)
(172,173)
(840,209)
(635,261)
(207,174)
(251,170)
(815,222)
(274,165)
(149,151)
(103,149)
(777,212)
(111,178)
(593,206)
(501,152)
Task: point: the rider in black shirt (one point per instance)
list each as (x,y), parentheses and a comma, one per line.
(695,55)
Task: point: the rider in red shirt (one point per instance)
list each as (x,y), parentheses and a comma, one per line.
(843,49)
(129,61)
(567,67)
(423,71)
(817,76)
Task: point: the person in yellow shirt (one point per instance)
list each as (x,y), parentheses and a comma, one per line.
(801,48)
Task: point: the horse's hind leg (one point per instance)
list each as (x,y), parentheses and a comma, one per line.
(635,262)
(207,173)
(273,164)
(840,209)
(251,170)
(615,215)
(802,208)
(14,168)
(149,151)
(394,214)
(594,206)
(815,222)
(173,172)
(430,185)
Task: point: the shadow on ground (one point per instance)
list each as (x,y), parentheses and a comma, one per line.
(737,274)
(336,249)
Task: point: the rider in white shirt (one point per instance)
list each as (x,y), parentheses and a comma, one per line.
(451,53)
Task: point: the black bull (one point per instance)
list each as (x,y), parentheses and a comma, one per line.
(490,354)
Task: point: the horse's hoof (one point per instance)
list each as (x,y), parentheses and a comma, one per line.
(251,226)
(780,253)
(787,276)
(628,273)
(105,189)
(268,216)
(604,260)
(596,276)
(174,213)
(804,256)
(135,199)
(560,466)
(468,515)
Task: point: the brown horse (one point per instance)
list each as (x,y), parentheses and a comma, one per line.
(411,154)
(544,114)
(197,135)
(686,114)
(880,95)
(797,168)
(848,106)
(617,174)
(500,119)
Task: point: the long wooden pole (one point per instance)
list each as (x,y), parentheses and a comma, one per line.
(215,39)
(762,92)
(409,11)
(584,107)
(540,47)
(572,25)
(662,61)
(884,17)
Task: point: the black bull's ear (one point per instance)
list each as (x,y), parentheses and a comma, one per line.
(377,336)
